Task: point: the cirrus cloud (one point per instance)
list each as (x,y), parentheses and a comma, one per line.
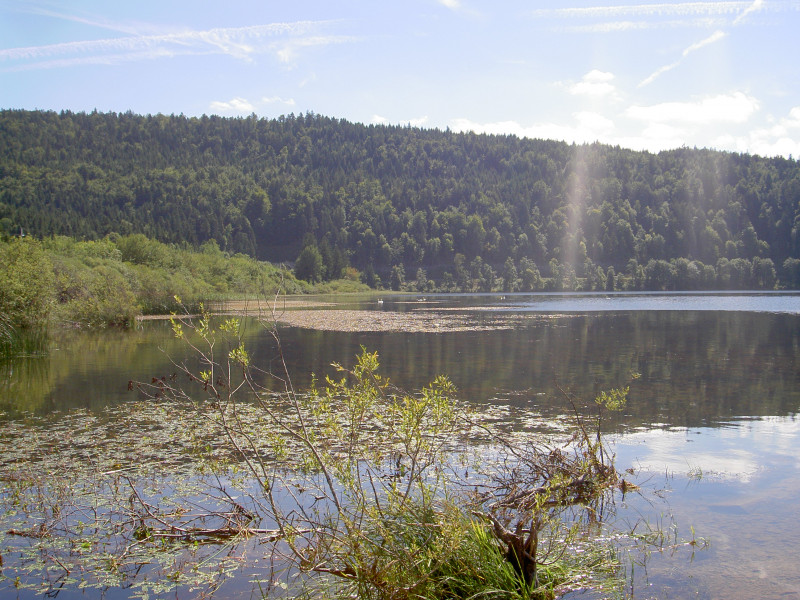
(713,38)
(283,40)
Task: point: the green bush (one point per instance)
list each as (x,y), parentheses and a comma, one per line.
(104,298)
(112,280)
(140,250)
(26,293)
(440,554)
(156,289)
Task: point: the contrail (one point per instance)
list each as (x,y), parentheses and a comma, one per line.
(239,42)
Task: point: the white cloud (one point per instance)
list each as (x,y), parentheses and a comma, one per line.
(654,138)
(736,107)
(780,139)
(497,128)
(587,127)
(236,105)
(595,84)
(668,450)
(239,105)
(278,100)
(735,452)
(417,122)
(595,123)
(754,144)
(457,6)
(665,126)
(694,126)
(242,43)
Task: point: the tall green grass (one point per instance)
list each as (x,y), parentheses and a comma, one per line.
(6,334)
(16,342)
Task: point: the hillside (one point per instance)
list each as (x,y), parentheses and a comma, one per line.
(445,210)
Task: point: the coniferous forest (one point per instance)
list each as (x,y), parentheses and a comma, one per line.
(408,208)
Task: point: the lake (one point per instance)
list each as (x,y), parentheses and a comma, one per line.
(711,427)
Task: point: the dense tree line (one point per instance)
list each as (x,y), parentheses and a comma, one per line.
(407,207)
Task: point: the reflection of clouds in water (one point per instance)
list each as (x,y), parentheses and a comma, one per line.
(736,451)
(745,504)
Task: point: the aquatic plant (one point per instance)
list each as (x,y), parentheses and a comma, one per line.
(19,342)
(6,334)
(352,488)
(377,504)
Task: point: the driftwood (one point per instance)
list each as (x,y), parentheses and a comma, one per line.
(569,492)
(521,551)
(37,532)
(237,521)
(219,533)
(532,490)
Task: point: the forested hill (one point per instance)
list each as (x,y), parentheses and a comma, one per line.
(402,205)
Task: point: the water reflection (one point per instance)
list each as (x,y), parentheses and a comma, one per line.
(711,424)
(85,369)
(737,485)
(697,367)
(772,302)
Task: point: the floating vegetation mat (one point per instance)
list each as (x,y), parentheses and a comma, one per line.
(425,317)
(74,490)
(83,497)
(169,438)
(374,320)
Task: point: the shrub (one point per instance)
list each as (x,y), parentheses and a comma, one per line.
(26,293)
(391,515)
(102,297)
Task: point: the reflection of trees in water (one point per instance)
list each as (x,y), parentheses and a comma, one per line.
(696,367)
(24,383)
(88,369)
(699,367)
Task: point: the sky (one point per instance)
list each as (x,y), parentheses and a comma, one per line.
(647,75)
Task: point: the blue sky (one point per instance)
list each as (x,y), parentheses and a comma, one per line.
(649,75)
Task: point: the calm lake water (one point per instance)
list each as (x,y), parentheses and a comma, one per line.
(711,427)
